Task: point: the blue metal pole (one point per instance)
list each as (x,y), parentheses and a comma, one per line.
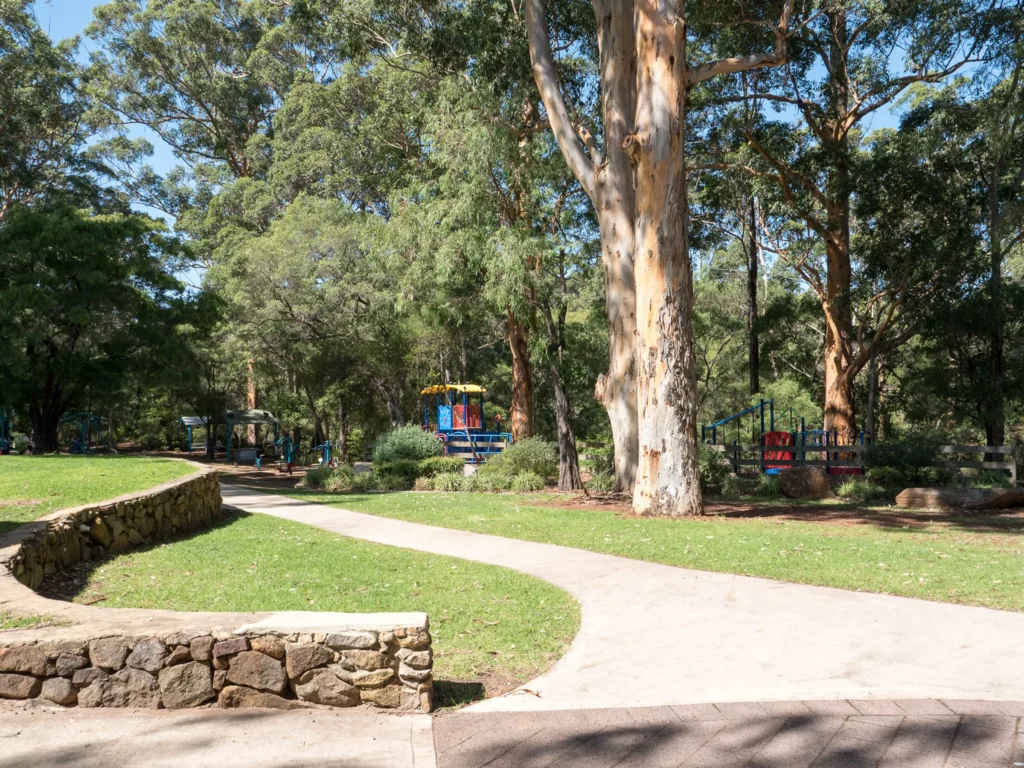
(771,406)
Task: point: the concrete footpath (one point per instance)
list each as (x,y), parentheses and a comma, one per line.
(655,635)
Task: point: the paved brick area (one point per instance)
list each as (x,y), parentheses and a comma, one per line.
(923,733)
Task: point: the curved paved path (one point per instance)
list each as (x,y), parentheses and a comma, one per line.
(655,635)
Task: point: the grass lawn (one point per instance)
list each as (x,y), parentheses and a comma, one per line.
(974,561)
(33,486)
(488,623)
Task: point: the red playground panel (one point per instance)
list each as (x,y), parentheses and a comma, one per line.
(778,439)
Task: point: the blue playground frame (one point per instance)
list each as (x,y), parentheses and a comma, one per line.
(86,422)
(459,422)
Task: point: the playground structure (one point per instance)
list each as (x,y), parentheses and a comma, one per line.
(326,451)
(6,431)
(193,441)
(88,424)
(777,450)
(459,422)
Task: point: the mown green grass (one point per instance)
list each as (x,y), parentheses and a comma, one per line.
(485,620)
(33,486)
(964,561)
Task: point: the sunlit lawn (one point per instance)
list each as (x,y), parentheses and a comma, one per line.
(968,561)
(486,621)
(33,486)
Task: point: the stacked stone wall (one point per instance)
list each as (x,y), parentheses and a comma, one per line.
(97,657)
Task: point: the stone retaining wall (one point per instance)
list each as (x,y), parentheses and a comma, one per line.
(92,531)
(389,669)
(100,657)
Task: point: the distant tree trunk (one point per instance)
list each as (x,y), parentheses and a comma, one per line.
(568,459)
(342,431)
(754,349)
(521,413)
(995,422)
(869,424)
(251,400)
(319,437)
(44,413)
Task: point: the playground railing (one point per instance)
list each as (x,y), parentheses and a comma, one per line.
(845,456)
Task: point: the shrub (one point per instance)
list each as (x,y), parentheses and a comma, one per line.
(714,468)
(437,465)
(527,482)
(365,481)
(530,454)
(151,442)
(768,487)
(988,478)
(491,483)
(859,489)
(599,461)
(448,482)
(328,479)
(406,443)
(469,484)
(601,482)
(406,469)
(909,458)
(20,445)
(731,486)
(316,478)
(888,477)
(423,484)
(933,476)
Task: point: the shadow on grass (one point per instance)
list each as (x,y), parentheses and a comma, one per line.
(6,526)
(454,694)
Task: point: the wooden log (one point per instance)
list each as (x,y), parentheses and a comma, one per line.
(961,498)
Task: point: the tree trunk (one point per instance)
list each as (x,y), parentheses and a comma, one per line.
(754,348)
(342,431)
(995,422)
(668,479)
(318,427)
(251,400)
(393,405)
(615,201)
(869,421)
(568,460)
(521,413)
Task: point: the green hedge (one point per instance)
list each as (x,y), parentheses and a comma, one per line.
(406,443)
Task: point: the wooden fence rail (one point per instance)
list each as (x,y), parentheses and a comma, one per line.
(735,454)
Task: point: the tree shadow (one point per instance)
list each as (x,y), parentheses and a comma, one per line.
(644,738)
(454,693)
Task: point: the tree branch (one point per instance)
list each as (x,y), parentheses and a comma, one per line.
(778,55)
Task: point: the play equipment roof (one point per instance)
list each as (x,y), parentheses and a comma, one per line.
(243,416)
(469,389)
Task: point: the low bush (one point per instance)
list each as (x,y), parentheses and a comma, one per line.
(530,454)
(860,489)
(423,484)
(448,482)
(731,486)
(405,469)
(599,461)
(768,487)
(329,479)
(601,482)
(20,445)
(365,481)
(437,465)
(491,483)
(151,442)
(469,484)
(410,443)
(714,468)
(887,477)
(912,459)
(527,482)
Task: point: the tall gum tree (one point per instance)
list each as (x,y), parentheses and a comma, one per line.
(638,186)
(844,73)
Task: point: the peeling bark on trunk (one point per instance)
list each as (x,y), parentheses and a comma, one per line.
(995,421)
(840,413)
(521,413)
(668,479)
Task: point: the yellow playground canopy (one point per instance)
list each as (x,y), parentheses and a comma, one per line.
(468,389)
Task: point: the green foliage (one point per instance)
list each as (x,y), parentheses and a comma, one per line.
(732,486)
(20,444)
(406,443)
(532,454)
(714,468)
(887,477)
(527,482)
(329,479)
(768,487)
(859,489)
(439,464)
(448,482)
(601,482)
(912,459)
(423,484)
(150,442)
(406,469)
(491,482)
